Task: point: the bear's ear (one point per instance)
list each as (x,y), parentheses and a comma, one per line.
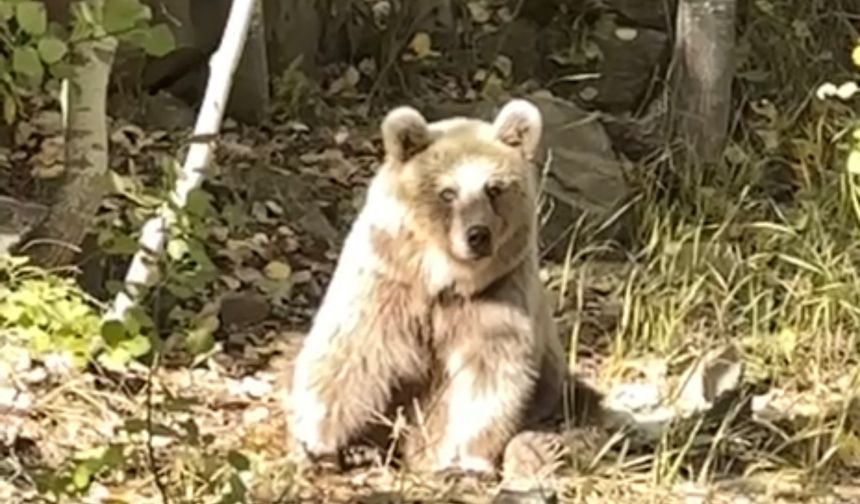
(519,124)
(404,133)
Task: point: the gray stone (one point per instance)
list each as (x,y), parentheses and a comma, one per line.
(638,136)
(164,111)
(718,372)
(518,41)
(657,14)
(584,173)
(631,58)
(243,309)
(706,390)
(16,219)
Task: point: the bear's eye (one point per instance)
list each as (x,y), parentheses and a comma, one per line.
(447,195)
(493,190)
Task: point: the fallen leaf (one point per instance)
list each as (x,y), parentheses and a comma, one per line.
(626,34)
(421,45)
(479,12)
(277,270)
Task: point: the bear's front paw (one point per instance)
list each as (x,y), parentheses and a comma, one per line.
(469,467)
(360,456)
(309,459)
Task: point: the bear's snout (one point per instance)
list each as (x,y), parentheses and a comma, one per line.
(480,241)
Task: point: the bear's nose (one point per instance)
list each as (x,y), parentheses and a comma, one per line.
(478,238)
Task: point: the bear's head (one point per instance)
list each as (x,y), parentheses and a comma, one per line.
(469,185)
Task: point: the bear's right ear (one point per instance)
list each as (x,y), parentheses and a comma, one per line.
(404,133)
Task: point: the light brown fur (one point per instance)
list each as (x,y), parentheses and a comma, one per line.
(414,318)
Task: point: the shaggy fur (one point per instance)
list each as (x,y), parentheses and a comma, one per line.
(419,315)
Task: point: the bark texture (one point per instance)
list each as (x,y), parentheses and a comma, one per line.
(56,241)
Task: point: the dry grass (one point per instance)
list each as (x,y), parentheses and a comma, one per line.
(761,251)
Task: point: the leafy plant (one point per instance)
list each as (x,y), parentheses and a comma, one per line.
(188,268)
(36,53)
(77,475)
(48,312)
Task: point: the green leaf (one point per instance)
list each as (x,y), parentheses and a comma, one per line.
(25,61)
(32,17)
(180,291)
(159,41)
(11,313)
(199,203)
(7,11)
(136,37)
(199,341)
(52,49)
(238,461)
(115,359)
(113,332)
(177,248)
(137,346)
(82,475)
(135,425)
(10,108)
(113,457)
(62,70)
(119,244)
(139,316)
(122,15)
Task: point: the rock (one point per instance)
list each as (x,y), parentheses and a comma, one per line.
(656,14)
(640,136)
(780,405)
(243,309)
(650,408)
(16,219)
(14,401)
(164,111)
(716,373)
(249,386)
(517,41)
(631,59)
(585,173)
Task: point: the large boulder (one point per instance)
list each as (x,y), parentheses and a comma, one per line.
(584,175)
(657,14)
(631,59)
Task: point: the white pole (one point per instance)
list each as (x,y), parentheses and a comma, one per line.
(143,271)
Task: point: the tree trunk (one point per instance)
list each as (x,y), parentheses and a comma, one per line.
(249,96)
(57,240)
(702,76)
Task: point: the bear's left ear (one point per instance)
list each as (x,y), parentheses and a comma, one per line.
(404,133)
(519,124)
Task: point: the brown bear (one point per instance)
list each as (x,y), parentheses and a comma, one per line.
(435,305)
